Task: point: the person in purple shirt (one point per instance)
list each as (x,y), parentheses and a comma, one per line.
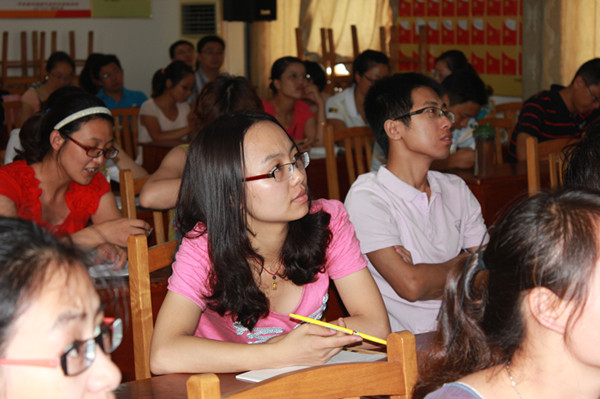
(520,318)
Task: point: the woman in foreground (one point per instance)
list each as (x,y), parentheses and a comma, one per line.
(521,321)
(54,339)
(255,249)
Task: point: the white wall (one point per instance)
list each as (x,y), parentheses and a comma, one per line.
(141,44)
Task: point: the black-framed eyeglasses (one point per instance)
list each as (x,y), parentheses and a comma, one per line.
(95,152)
(80,355)
(431,112)
(284,172)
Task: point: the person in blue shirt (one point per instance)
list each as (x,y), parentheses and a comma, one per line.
(108,71)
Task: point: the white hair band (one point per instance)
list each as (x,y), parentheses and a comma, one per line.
(81,114)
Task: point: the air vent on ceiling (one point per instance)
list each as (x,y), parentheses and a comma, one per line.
(198,19)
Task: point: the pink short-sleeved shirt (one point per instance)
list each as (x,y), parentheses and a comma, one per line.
(192,266)
(386,212)
(302,113)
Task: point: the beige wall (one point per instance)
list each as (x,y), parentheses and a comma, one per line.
(140,43)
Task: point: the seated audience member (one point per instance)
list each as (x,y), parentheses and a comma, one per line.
(561,112)
(223,95)
(55,340)
(182,50)
(347,109)
(413,224)
(58,186)
(289,85)
(31,126)
(256,248)
(521,319)
(211,53)
(60,69)
(580,167)
(464,94)
(108,72)
(449,62)
(86,79)
(317,76)
(166,114)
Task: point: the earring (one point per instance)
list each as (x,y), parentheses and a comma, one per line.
(46,77)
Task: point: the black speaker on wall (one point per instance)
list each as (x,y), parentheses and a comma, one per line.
(249,10)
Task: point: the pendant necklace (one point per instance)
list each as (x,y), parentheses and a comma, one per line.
(262,266)
(512,381)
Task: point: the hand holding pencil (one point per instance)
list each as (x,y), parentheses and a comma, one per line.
(338,328)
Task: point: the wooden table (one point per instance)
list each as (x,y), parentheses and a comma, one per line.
(155,151)
(172,386)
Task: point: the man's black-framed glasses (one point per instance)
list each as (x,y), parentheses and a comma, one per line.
(284,172)
(94,152)
(431,112)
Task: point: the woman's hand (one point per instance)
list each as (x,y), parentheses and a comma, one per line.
(116,231)
(311,93)
(111,255)
(304,145)
(311,345)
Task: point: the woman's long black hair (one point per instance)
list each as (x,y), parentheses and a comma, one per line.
(551,241)
(213,193)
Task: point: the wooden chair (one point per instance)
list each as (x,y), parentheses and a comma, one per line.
(509,111)
(502,126)
(357,143)
(551,149)
(143,261)
(396,377)
(12,114)
(131,187)
(126,129)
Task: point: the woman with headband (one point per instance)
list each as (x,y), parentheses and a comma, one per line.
(520,321)
(58,186)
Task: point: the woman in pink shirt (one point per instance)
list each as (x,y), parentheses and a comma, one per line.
(255,249)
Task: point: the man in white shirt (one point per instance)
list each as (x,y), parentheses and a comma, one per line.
(414,225)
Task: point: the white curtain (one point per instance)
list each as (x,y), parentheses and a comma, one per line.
(339,15)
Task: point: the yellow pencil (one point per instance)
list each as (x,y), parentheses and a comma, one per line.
(338,328)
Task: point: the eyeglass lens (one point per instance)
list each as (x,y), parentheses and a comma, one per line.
(80,356)
(285,172)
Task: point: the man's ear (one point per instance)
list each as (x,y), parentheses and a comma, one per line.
(56,140)
(168,83)
(394,129)
(579,82)
(549,310)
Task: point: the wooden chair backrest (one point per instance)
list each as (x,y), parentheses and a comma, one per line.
(509,110)
(129,188)
(396,378)
(357,143)
(551,149)
(502,126)
(126,129)
(12,114)
(143,261)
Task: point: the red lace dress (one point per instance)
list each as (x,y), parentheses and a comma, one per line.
(18,182)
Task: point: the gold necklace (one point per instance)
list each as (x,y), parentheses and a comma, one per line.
(262,266)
